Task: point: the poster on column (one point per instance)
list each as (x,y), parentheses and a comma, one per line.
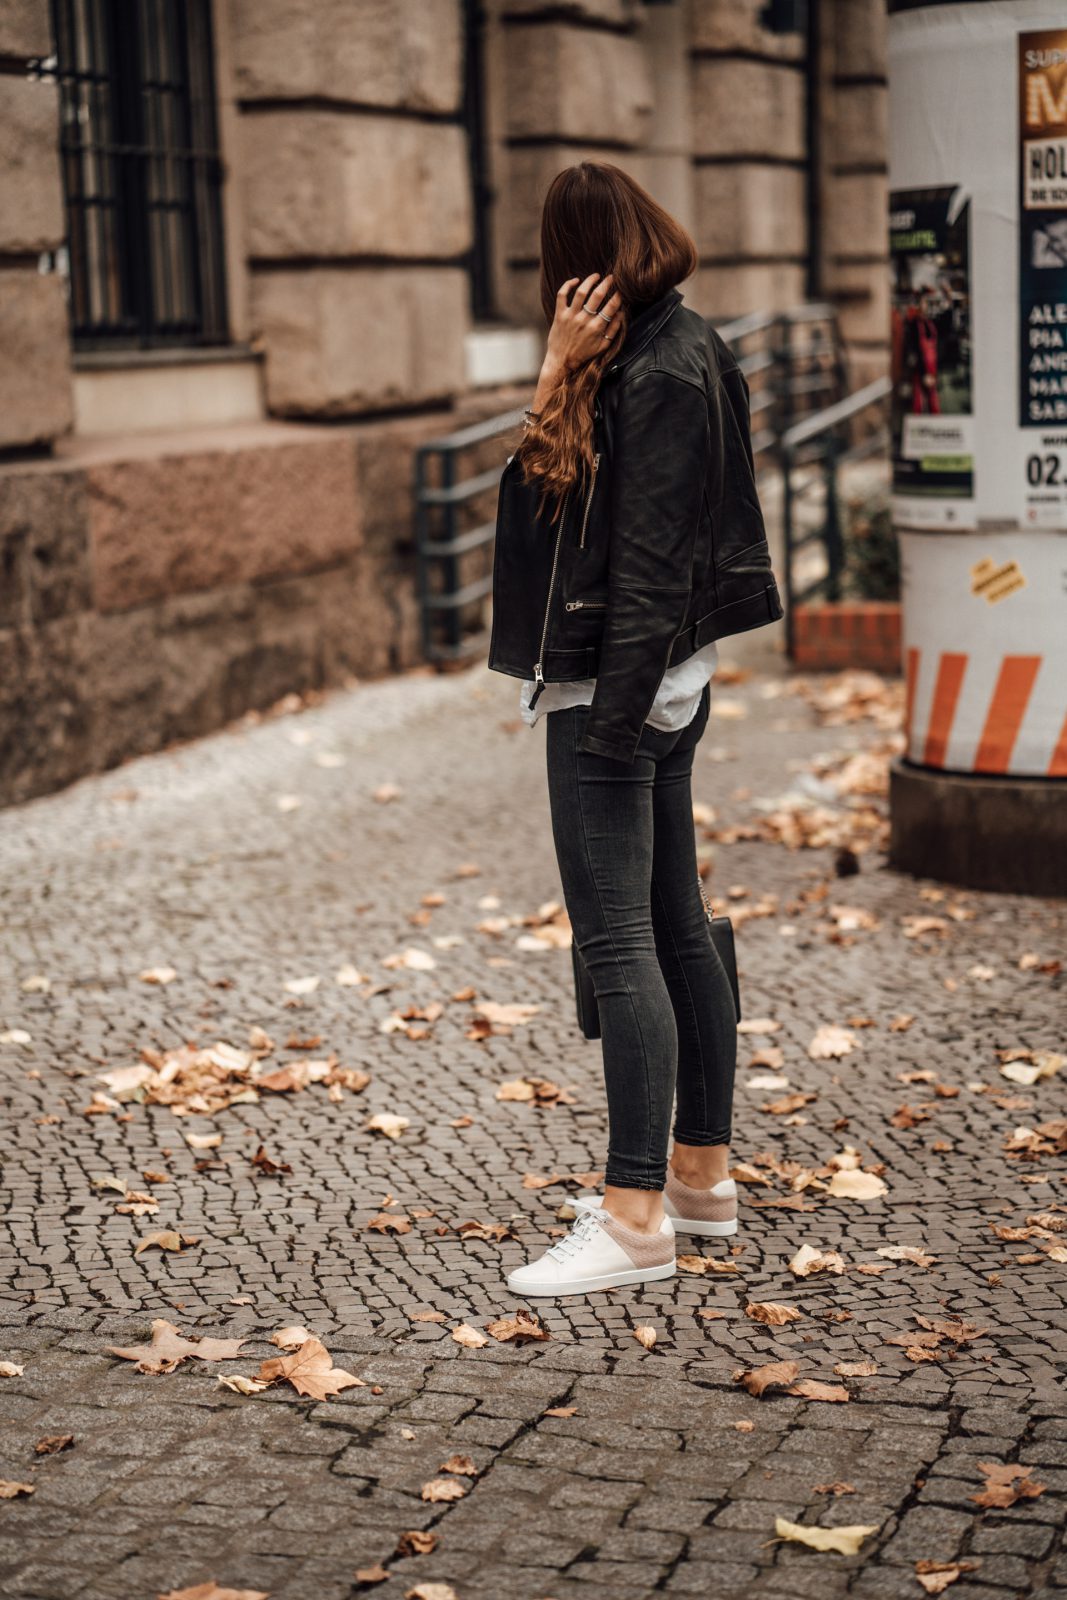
(1043,273)
(932,405)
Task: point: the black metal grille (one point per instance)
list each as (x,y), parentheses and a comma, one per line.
(141,172)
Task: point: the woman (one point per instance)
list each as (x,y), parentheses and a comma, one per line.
(629,539)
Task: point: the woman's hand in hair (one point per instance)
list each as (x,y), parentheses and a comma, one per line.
(578,333)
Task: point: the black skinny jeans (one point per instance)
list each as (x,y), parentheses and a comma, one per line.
(627,859)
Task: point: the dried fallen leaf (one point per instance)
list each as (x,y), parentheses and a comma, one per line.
(157,975)
(168,1348)
(470,1338)
(857,1185)
(560,1411)
(384,1122)
(831,1042)
(211,1591)
(744,1426)
(907,1252)
(1006,1483)
(375,1574)
(772,1312)
(856,1369)
(462,1466)
(10,1490)
(384,1223)
(431,1591)
(439,1489)
(53,1444)
(812,1389)
(11,1369)
(774,1375)
(416,1542)
(835,1489)
(240,1384)
(310,1370)
(935,1576)
(809,1260)
(168,1239)
(646,1336)
(520,1327)
(290,1338)
(845,1541)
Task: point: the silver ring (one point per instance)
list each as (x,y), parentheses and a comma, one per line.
(603,314)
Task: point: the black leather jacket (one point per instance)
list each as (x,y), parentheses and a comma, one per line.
(660,550)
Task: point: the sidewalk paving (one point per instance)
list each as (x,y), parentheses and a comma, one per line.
(260,858)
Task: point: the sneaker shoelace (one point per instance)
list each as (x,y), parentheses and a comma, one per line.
(583,1230)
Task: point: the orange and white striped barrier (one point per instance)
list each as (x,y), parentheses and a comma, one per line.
(985,652)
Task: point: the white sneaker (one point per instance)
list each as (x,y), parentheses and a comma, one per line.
(599,1252)
(711,1213)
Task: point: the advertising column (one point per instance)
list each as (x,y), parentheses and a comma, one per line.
(978,257)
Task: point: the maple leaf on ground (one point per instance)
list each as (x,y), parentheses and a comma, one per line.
(830,1042)
(856,1369)
(267,1165)
(441,1489)
(560,1411)
(169,1348)
(168,1239)
(384,1122)
(470,1338)
(290,1338)
(462,1466)
(809,1260)
(416,1542)
(907,1252)
(431,1591)
(384,1223)
(11,1369)
(310,1370)
(856,1185)
(1005,1484)
(704,1264)
(427,1316)
(772,1312)
(9,1490)
(936,1576)
(812,1389)
(646,1336)
(843,1541)
(774,1375)
(535,1092)
(52,1445)
(375,1574)
(240,1384)
(211,1591)
(834,1488)
(517,1328)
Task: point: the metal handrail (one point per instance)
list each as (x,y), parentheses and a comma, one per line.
(822,429)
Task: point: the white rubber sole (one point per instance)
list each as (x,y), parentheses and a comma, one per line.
(704,1230)
(607,1280)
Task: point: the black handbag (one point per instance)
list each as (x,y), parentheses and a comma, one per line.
(722,937)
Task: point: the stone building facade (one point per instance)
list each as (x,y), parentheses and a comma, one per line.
(215,367)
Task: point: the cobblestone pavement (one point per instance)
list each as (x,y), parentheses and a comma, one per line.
(260,858)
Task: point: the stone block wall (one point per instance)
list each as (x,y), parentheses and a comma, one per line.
(35,379)
(154,586)
(357,211)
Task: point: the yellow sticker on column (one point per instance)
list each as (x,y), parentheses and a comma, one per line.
(996,582)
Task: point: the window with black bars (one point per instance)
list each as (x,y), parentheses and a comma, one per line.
(141,172)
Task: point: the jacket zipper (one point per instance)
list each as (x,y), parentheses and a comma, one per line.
(588,501)
(581,605)
(539,665)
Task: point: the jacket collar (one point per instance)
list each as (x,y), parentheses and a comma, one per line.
(645,327)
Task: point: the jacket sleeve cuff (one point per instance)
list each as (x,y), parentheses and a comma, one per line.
(594,746)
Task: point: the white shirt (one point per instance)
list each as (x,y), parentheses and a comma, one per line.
(674,707)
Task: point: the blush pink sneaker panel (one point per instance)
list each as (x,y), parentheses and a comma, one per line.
(644,1249)
(699,1205)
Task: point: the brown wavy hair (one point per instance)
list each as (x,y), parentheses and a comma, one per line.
(596,218)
